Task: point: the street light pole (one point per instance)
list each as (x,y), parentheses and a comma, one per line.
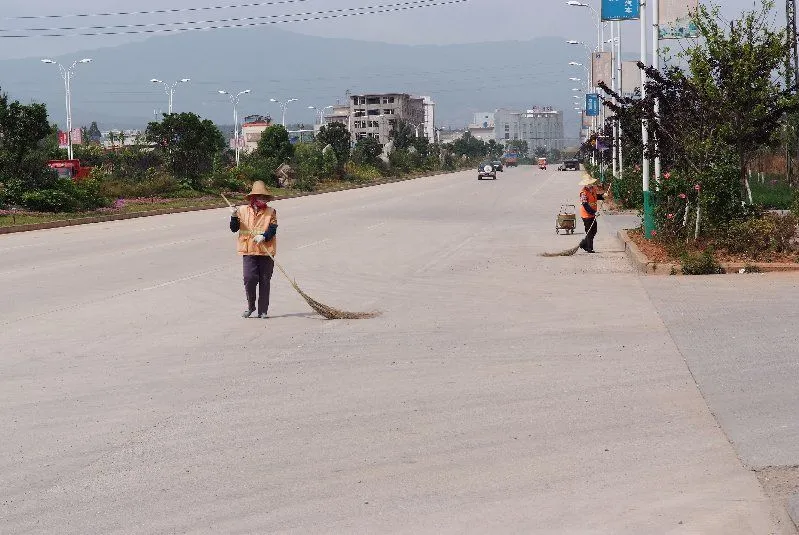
(656,66)
(234,99)
(649,222)
(620,89)
(283,105)
(170,89)
(321,112)
(67,73)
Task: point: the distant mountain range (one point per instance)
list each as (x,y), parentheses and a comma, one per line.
(115,89)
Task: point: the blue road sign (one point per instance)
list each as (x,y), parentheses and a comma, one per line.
(592,105)
(621,9)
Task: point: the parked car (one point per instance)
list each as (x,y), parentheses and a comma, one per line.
(498,166)
(569,165)
(486,170)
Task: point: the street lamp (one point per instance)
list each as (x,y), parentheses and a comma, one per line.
(67,73)
(283,105)
(234,99)
(321,112)
(170,89)
(600,31)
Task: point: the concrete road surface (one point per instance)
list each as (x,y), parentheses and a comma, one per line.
(499,392)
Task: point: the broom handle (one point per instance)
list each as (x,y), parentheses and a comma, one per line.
(283,271)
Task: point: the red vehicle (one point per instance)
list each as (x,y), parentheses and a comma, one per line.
(69,169)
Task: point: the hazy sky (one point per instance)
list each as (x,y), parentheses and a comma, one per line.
(471,21)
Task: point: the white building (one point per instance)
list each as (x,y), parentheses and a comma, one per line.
(539,127)
(483,120)
(429,118)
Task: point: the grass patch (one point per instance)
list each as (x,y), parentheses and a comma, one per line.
(773,194)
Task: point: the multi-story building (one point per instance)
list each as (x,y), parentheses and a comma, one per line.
(251,129)
(483,120)
(539,127)
(429,118)
(374,115)
(339,113)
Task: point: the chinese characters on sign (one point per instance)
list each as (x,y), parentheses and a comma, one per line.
(592,105)
(621,9)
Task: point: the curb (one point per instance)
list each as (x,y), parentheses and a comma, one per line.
(167,211)
(793,509)
(642,263)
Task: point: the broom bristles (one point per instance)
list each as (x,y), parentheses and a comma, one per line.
(322,309)
(567,252)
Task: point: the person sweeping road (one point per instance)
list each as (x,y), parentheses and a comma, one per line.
(590,196)
(256,223)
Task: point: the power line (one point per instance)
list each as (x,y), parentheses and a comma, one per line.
(156,11)
(304,17)
(217,21)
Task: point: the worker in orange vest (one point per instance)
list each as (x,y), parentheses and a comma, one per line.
(589,211)
(256,223)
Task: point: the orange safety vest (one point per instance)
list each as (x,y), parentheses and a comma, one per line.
(588,195)
(252,224)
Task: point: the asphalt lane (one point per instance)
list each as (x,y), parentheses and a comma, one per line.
(498,392)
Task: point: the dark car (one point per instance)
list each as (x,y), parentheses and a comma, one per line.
(486,170)
(498,166)
(569,165)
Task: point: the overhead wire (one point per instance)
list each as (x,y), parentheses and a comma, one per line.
(215,24)
(156,11)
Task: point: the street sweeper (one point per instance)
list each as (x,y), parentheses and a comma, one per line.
(590,196)
(256,223)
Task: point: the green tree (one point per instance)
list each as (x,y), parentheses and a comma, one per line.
(518,146)
(188,145)
(275,145)
(330,161)
(309,164)
(367,151)
(336,135)
(470,146)
(495,150)
(541,152)
(26,141)
(403,135)
(93,134)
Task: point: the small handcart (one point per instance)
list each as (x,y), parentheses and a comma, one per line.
(567,219)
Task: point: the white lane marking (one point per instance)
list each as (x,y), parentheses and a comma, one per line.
(320,242)
(376,226)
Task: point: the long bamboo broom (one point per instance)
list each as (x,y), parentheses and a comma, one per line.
(323,310)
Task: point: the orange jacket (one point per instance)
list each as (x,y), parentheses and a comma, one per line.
(588,196)
(252,224)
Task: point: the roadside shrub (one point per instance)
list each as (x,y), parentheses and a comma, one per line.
(756,237)
(66,195)
(361,173)
(309,165)
(228,180)
(701,264)
(156,184)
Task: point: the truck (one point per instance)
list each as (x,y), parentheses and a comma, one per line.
(511,159)
(70,169)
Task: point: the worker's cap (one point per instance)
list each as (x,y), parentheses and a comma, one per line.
(259,188)
(588,181)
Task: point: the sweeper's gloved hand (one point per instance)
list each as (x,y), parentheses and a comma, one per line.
(259,239)
(234,211)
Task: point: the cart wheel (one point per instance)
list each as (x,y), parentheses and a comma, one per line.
(557,231)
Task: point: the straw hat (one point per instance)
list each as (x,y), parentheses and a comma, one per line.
(259,188)
(588,181)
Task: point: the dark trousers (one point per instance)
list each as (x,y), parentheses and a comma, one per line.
(590,231)
(258,271)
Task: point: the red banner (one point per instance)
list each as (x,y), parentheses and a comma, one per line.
(63,140)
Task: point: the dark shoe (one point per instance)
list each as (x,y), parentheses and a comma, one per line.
(262,315)
(247,313)
(590,251)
